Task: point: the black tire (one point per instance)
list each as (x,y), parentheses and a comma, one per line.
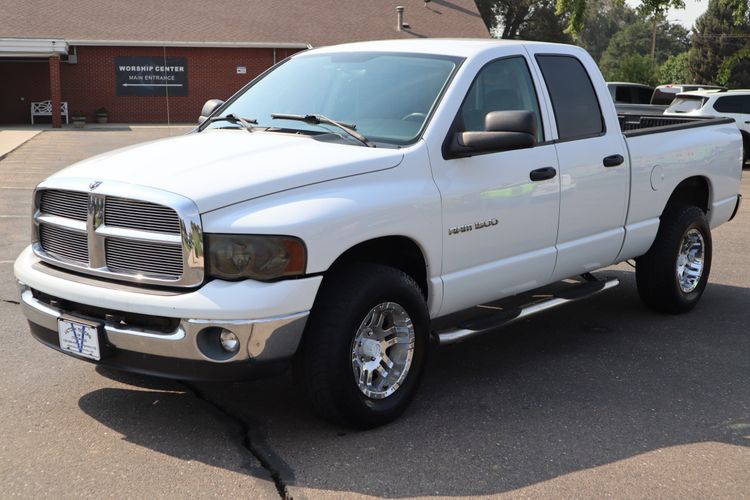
(323,365)
(656,271)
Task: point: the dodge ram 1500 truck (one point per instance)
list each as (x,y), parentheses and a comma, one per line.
(353,202)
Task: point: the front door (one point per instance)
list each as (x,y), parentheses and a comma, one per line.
(499,226)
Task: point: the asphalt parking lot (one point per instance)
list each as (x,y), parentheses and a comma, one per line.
(603,398)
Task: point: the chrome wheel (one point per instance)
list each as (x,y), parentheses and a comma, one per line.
(690,260)
(382,350)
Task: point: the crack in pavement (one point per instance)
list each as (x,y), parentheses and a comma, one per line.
(8,301)
(252,442)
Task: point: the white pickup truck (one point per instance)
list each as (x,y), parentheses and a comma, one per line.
(354,202)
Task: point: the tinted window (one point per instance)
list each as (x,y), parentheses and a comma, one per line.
(502,85)
(624,95)
(664,96)
(574,101)
(643,95)
(731,104)
(632,94)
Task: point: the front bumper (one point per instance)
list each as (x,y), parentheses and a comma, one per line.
(172,334)
(170,367)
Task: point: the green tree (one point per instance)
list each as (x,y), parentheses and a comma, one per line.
(656,11)
(528,19)
(636,68)
(734,72)
(545,25)
(740,9)
(717,36)
(604,18)
(675,70)
(504,18)
(576,10)
(636,39)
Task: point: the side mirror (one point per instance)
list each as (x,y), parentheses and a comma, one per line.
(209,108)
(503,131)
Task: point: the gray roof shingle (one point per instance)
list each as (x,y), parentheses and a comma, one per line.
(313,22)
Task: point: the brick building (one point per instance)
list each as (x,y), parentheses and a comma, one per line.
(153,62)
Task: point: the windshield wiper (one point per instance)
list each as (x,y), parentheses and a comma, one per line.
(234,119)
(318,119)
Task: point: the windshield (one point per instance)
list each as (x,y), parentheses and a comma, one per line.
(387,96)
(686,104)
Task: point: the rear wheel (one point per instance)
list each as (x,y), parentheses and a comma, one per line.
(365,346)
(672,275)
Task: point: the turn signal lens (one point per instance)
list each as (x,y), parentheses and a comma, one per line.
(239,256)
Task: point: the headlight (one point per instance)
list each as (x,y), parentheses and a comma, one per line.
(241,256)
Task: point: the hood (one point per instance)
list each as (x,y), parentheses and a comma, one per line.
(216,168)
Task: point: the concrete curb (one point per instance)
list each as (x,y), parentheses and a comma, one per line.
(10,140)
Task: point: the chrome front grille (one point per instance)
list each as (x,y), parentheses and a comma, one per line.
(64,243)
(142,215)
(124,256)
(68,204)
(120,232)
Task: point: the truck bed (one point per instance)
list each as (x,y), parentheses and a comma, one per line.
(633,125)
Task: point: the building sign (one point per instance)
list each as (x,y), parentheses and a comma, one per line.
(151,76)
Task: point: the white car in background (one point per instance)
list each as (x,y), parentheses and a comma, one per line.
(724,103)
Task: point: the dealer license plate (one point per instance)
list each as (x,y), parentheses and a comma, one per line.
(79,338)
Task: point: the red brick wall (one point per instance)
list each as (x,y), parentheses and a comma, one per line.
(91,84)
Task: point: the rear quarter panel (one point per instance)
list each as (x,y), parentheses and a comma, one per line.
(661,160)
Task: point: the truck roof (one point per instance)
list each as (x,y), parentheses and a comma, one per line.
(710,92)
(461,47)
(631,84)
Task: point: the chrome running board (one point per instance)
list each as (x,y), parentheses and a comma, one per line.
(590,287)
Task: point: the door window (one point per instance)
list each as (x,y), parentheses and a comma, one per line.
(502,85)
(573,97)
(732,104)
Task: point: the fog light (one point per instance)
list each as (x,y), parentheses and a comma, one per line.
(229,341)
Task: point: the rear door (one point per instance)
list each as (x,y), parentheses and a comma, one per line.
(591,153)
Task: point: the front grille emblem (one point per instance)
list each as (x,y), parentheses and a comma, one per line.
(94,185)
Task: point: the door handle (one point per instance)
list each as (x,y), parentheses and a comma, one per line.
(542,174)
(613,161)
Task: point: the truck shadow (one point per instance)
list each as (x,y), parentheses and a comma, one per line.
(587,385)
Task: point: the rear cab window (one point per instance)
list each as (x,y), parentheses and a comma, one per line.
(574,102)
(643,95)
(632,94)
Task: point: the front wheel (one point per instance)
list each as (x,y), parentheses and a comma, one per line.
(672,275)
(365,346)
